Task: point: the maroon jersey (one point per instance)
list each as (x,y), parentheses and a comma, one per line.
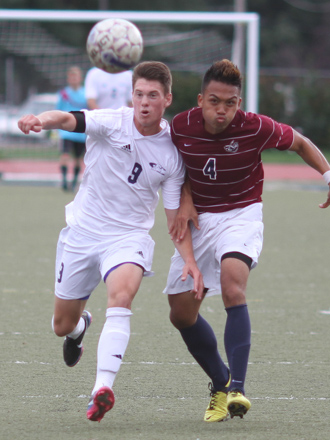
(225,169)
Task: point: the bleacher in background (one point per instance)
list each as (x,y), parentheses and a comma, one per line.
(43,59)
(41,51)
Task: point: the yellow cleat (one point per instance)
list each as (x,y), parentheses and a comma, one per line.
(237,404)
(217,408)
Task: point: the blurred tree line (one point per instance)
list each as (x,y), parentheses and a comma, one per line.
(294,53)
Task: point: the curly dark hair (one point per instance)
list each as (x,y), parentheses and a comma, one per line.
(223,71)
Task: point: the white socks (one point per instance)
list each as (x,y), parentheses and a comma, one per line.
(77,331)
(112,346)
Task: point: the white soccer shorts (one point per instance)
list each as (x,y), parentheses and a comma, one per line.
(81,262)
(238,230)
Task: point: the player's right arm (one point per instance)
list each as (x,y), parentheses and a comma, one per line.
(54,119)
(186,212)
(185,247)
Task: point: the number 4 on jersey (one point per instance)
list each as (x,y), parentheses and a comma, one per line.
(210,169)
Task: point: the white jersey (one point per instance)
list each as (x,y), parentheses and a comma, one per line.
(110,90)
(124,171)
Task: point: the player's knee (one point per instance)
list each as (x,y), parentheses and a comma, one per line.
(121,299)
(233,296)
(181,319)
(58,330)
(61,327)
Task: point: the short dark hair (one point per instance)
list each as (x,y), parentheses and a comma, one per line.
(154,71)
(223,71)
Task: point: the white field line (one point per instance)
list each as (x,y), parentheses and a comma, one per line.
(179,364)
(266,398)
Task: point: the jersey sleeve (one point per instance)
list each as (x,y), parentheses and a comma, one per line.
(171,187)
(101,123)
(280,135)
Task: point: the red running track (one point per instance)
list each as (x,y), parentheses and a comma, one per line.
(39,168)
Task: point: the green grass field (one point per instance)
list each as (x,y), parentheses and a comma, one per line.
(160,392)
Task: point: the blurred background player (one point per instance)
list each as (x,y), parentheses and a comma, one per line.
(71,98)
(108,90)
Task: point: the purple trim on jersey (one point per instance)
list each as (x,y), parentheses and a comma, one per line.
(225,169)
(115,267)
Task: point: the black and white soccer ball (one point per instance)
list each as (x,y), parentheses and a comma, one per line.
(114,45)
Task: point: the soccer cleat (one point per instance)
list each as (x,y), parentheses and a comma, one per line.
(217,408)
(237,403)
(100,403)
(73,348)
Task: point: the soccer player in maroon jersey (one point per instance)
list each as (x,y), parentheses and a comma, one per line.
(221,146)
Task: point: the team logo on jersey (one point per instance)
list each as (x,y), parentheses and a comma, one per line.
(232,147)
(158,168)
(126,148)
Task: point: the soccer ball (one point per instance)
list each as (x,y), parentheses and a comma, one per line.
(114,45)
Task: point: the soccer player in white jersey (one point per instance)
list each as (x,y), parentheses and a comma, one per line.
(129,157)
(108,90)
(221,147)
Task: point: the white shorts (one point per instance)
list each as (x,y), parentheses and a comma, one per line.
(81,262)
(238,230)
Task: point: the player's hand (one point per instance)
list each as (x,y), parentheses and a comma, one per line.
(327,203)
(191,268)
(179,227)
(29,123)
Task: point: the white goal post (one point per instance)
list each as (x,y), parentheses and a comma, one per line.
(251,20)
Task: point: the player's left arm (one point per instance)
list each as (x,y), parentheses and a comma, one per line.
(313,157)
(185,248)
